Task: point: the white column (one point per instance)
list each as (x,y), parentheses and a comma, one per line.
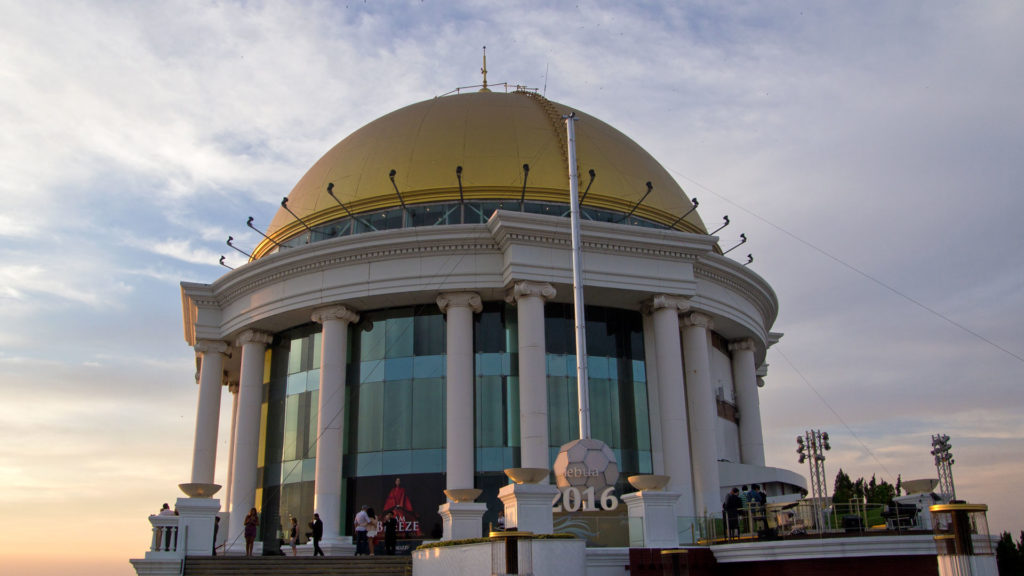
(233,388)
(744,378)
(247,432)
(459,447)
(703,412)
(331,417)
(675,440)
(211,374)
(529,297)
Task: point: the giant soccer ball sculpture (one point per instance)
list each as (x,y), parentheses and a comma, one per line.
(586,463)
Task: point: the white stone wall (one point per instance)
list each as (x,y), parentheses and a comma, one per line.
(559,557)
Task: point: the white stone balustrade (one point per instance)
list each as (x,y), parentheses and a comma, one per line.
(165,537)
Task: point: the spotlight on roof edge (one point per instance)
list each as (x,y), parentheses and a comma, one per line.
(230,240)
(688,212)
(284,204)
(401,201)
(223,264)
(717,230)
(650,188)
(743,240)
(276,243)
(593,175)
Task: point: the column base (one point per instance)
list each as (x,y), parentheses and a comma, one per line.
(528,507)
(462,519)
(652,519)
(340,546)
(195,519)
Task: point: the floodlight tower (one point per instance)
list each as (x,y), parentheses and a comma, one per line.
(944,464)
(811,447)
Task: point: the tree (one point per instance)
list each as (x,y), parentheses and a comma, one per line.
(842,490)
(1010,555)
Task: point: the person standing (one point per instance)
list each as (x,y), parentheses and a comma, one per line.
(731,507)
(216,528)
(362,522)
(318,534)
(371,531)
(294,538)
(390,533)
(251,523)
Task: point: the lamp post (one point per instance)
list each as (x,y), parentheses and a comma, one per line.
(944,464)
(811,448)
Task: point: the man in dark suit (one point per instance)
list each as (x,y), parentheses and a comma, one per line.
(318,534)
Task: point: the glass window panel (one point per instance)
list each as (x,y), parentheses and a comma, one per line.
(295,383)
(314,410)
(396,462)
(397,424)
(597,366)
(512,412)
(557,330)
(291,423)
(291,471)
(639,371)
(490,331)
(315,345)
(399,337)
(370,416)
(489,364)
(313,380)
(643,422)
(429,335)
(563,424)
(425,461)
(428,416)
(369,464)
(295,355)
(398,368)
(556,365)
(490,413)
(429,367)
(371,341)
(371,371)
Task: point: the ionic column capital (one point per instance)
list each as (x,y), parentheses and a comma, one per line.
(336,312)
(662,301)
(698,319)
(253,337)
(469,300)
(205,347)
(526,288)
(742,344)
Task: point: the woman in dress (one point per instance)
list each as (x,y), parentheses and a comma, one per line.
(371,530)
(294,535)
(252,523)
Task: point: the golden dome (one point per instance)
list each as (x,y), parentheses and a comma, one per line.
(491,135)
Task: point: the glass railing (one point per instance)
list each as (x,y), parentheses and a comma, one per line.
(475,212)
(807,518)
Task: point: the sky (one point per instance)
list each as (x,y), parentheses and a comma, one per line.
(870,151)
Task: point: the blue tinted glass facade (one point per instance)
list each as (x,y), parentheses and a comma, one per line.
(395,398)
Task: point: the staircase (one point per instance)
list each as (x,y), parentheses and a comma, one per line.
(298,566)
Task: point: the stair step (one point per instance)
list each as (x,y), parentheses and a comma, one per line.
(298,566)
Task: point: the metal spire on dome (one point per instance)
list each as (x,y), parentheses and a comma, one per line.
(484,72)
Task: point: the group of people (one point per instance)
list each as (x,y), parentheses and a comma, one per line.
(369,531)
(752,499)
(252,523)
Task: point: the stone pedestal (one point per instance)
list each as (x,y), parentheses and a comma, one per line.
(528,507)
(462,519)
(652,519)
(195,525)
